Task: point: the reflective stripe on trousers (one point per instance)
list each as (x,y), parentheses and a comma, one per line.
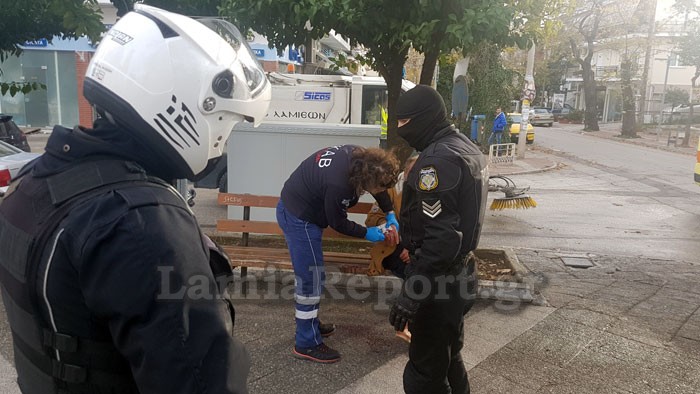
(304,243)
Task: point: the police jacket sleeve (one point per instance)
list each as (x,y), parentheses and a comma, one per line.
(147,275)
(337,213)
(384,201)
(440,209)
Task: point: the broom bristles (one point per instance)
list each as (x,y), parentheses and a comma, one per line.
(520,202)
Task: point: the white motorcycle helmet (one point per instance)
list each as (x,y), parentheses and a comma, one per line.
(178,84)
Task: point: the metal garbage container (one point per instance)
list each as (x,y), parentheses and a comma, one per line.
(477,121)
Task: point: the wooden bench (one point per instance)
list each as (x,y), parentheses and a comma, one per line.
(277,256)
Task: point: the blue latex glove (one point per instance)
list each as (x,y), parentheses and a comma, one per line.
(374,234)
(391,220)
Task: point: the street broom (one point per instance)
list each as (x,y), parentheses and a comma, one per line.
(515,197)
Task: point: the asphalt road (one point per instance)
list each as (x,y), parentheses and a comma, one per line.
(609,198)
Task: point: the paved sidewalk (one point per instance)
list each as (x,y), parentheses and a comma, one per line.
(538,161)
(626,325)
(533,162)
(657,138)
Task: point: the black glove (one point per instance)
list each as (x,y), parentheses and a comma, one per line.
(403,311)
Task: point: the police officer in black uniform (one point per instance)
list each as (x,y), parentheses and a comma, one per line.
(108,284)
(442,210)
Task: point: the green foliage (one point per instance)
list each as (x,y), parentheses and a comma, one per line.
(19,87)
(688,47)
(464,24)
(574,116)
(491,85)
(185,7)
(31,20)
(444,82)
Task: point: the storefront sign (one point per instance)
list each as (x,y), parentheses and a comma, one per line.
(42,42)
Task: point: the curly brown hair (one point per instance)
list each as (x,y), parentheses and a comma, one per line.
(373,168)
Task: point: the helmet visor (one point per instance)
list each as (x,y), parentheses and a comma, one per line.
(254,73)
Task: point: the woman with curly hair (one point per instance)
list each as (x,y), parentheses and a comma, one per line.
(317,195)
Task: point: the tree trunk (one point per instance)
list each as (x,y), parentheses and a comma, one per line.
(628,107)
(691,114)
(651,20)
(590,92)
(590,120)
(429,62)
(392,71)
(628,118)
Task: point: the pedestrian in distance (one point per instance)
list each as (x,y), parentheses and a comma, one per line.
(317,195)
(499,124)
(108,283)
(442,211)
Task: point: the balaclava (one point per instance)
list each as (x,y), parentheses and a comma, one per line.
(426,109)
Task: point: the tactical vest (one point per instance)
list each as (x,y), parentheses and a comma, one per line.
(30,214)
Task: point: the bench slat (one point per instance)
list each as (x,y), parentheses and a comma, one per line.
(259,227)
(251,252)
(248,226)
(247,200)
(252,200)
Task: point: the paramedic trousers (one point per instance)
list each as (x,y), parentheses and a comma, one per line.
(304,243)
(437,334)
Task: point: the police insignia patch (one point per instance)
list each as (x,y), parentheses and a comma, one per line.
(432,210)
(428,179)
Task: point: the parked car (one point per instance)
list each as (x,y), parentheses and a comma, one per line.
(562,110)
(11,134)
(514,120)
(12,159)
(541,117)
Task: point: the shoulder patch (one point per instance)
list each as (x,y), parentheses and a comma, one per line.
(427,178)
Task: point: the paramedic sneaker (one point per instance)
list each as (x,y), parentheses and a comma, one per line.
(319,354)
(326,329)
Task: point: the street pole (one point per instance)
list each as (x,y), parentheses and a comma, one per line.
(663,97)
(527,96)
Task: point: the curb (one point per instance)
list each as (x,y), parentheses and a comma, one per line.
(535,171)
(388,287)
(522,290)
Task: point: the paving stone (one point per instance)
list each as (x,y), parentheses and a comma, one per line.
(690,330)
(500,326)
(605,304)
(555,340)
(631,289)
(587,317)
(663,308)
(575,288)
(680,295)
(482,381)
(477,349)
(630,328)
(642,356)
(518,367)
(581,387)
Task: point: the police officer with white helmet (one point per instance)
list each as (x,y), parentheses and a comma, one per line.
(108,283)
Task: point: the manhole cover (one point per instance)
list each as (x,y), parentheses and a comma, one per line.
(577,262)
